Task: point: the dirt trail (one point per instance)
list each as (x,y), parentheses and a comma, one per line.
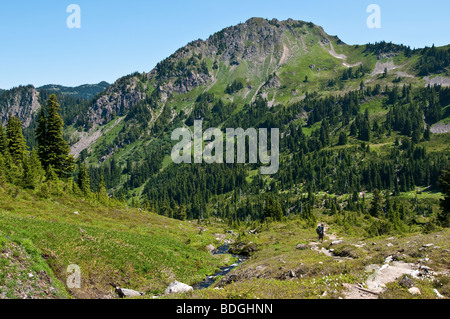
(388,272)
(332,237)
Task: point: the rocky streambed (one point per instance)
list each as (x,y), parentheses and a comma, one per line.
(210,280)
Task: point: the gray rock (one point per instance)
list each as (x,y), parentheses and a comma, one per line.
(177,287)
(303,247)
(414,291)
(127,293)
(406,282)
(212,250)
(438,294)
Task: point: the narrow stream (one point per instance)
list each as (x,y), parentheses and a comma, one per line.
(209,281)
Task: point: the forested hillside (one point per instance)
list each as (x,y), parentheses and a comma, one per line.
(365,136)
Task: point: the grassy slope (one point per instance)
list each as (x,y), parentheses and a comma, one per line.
(127,247)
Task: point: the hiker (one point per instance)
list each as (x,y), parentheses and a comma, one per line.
(320,231)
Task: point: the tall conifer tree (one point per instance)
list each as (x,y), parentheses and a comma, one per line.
(53,149)
(16,142)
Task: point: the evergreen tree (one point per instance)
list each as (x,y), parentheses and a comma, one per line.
(83,179)
(32,171)
(342,138)
(427,134)
(41,137)
(272,208)
(375,209)
(353,129)
(102,194)
(50,174)
(3,140)
(444,215)
(53,149)
(16,142)
(180,213)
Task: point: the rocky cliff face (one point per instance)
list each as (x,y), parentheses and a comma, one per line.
(255,40)
(22,102)
(115,100)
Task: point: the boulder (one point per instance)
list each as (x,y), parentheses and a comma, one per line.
(337,242)
(243,249)
(177,287)
(438,294)
(127,293)
(212,250)
(303,247)
(414,291)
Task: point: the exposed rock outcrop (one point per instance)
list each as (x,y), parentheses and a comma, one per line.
(22,102)
(177,287)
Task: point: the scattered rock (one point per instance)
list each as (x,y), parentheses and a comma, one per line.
(424,260)
(303,247)
(232,233)
(260,268)
(244,249)
(389,244)
(438,294)
(372,267)
(177,287)
(337,242)
(424,270)
(406,282)
(428,245)
(127,293)
(212,250)
(76,213)
(414,291)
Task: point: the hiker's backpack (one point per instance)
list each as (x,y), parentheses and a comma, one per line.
(319,230)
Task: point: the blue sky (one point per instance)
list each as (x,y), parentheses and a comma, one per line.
(119,37)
